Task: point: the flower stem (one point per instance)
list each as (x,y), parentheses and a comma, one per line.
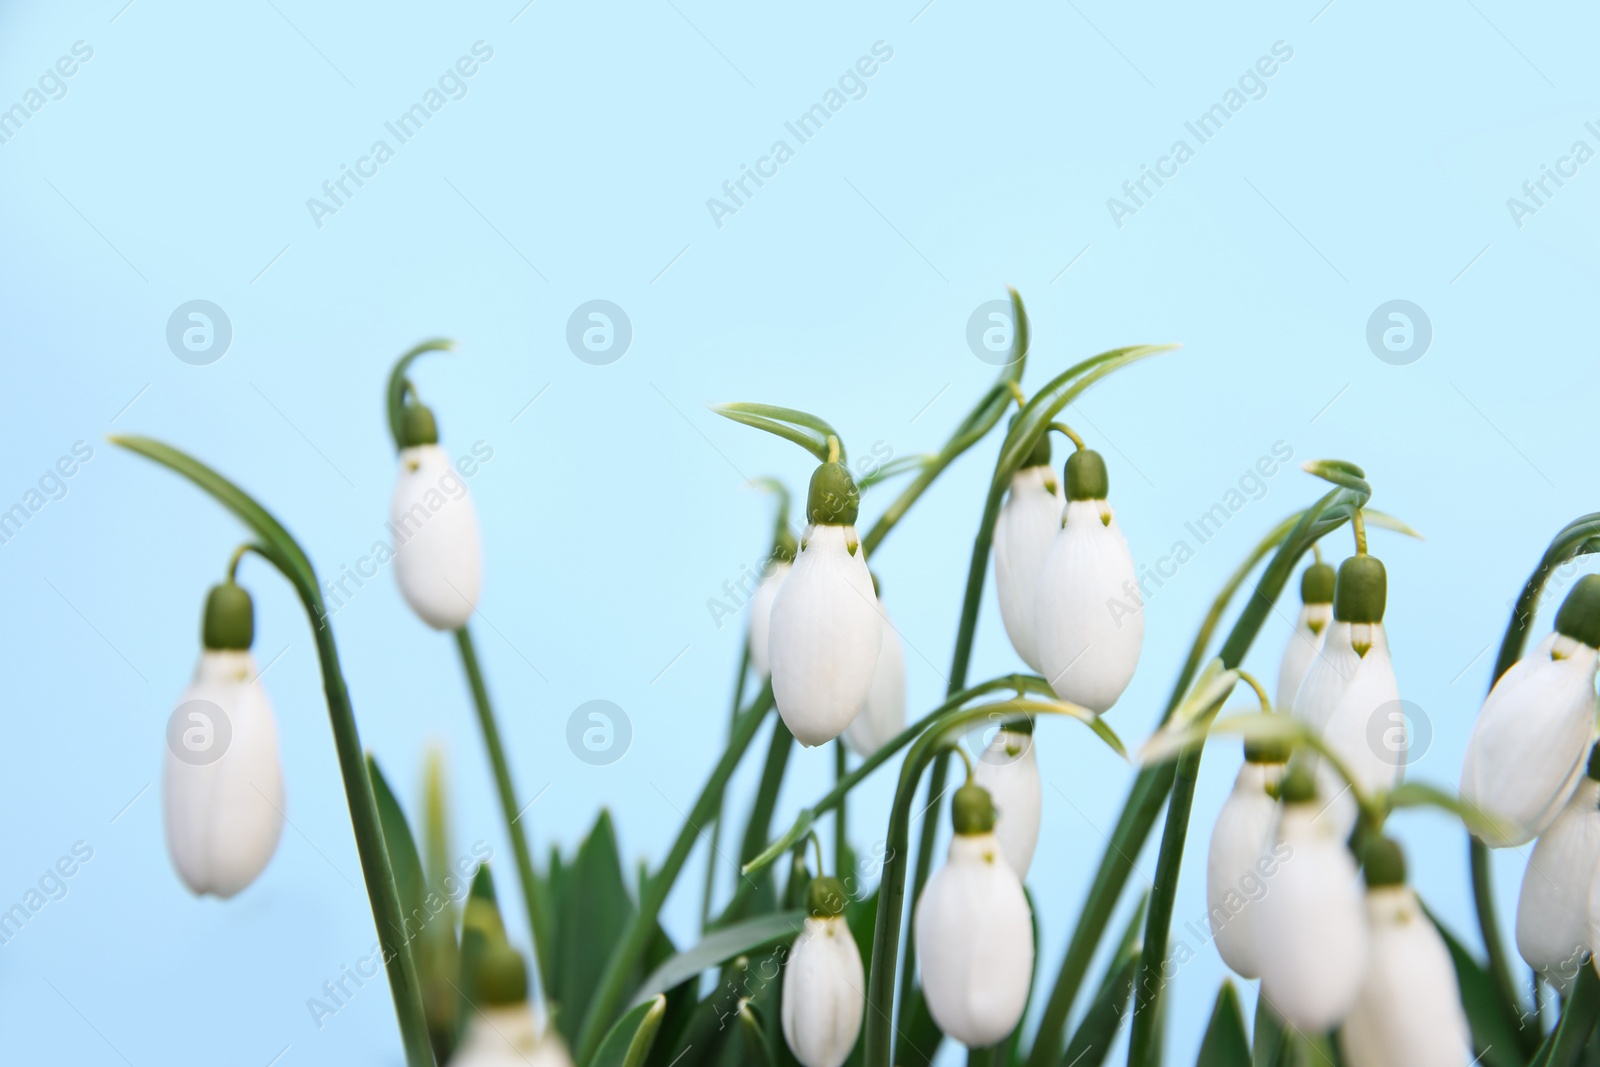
(841,820)
(654,889)
(538,921)
(716,824)
(1360,529)
(1067,431)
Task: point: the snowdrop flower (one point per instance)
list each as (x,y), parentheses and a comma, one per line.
(438,559)
(1316,612)
(1241,856)
(826,626)
(223,786)
(1528,747)
(883,713)
(502,1031)
(1366,727)
(761,603)
(1408,1013)
(1023,533)
(1553,910)
(824,985)
(974,931)
(1087,637)
(1311,926)
(1009,770)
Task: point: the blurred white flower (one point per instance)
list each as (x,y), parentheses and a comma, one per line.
(1310,628)
(438,556)
(1240,861)
(1009,770)
(883,713)
(1023,533)
(1553,910)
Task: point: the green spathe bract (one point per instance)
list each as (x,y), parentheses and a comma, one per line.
(1362,591)
(1579,617)
(230,618)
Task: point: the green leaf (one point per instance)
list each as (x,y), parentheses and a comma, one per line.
(402,849)
(1340,472)
(1268,1035)
(804,429)
(752,1039)
(1225,1043)
(1495,1028)
(628,1042)
(717,948)
(398,383)
(1091,1042)
(593,909)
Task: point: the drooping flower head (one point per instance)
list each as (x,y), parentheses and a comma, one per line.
(1553,932)
(1529,747)
(438,556)
(503,1031)
(1009,770)
(1087,639)
(824,984)
(223,784)
(1408,1012)
(766,594)
(826,628)
(974,931)
(1305,642)
(1240,861)
(1023,533)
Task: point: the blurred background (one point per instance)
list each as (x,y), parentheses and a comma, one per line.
(197,153)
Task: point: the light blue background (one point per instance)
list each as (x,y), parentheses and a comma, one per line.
(178,164)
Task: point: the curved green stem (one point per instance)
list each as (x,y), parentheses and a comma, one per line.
(538,921)
(399,384)
(653,891)
(285,553)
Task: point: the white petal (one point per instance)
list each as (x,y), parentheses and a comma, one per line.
(1531,742)
(826,631)
(1023,533)
(883,713)
(1235,863)
(1009,770)
(507,1036)
(224,817)
(1409,1010)
(1367,730)
(975,943)
(1310,628)
(761,616)
(1553,909)
(1089,621)
(1311,926)
(438,558)
(824,994)
(1329,675)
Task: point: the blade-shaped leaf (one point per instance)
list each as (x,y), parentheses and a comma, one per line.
(628,1042)
(717,948)
(1225,1043)
(402,849)
(1268,1035)
(594,908)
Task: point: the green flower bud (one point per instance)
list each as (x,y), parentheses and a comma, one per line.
(1317,583)
(417,426)
(825,898)
(972,810)
(1299,785)
(502,976)
(1362,590)
(230,619)
(834,499)
(1265,750)
(1085,475)
(1385,863)
(1579,617)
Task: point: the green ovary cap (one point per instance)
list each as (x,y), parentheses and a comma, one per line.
(825,897)
(1317,584)
(1594,763)
(230,619)
(1040,456)
(1266,750)
(1299,785)
(1085,476)
(1579,617)
(1363,590)
(417,426)
(502,976)
(1385,864)
(972,810)
(834,499)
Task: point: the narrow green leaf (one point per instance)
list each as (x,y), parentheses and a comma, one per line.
(1340,472)
(628,1042)
(1268,1035)
(803,428)
(1225,1043)
(594,908)
(396,393)
(1091,1042)
(803,438)
(717,948)
(752,1038)
(402,849)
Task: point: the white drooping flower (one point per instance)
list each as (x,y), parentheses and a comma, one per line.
(1240,860)
(438,556)
(1408,1013)
(1310,628)
(1089,619)
(974,932)
(223,784)
(1009,770)
(824,984)
(1023,533)
(826,626)
(1529,746)
(883,713)
(1553,910)
(502,1030)
(1311,926)
(766,595)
